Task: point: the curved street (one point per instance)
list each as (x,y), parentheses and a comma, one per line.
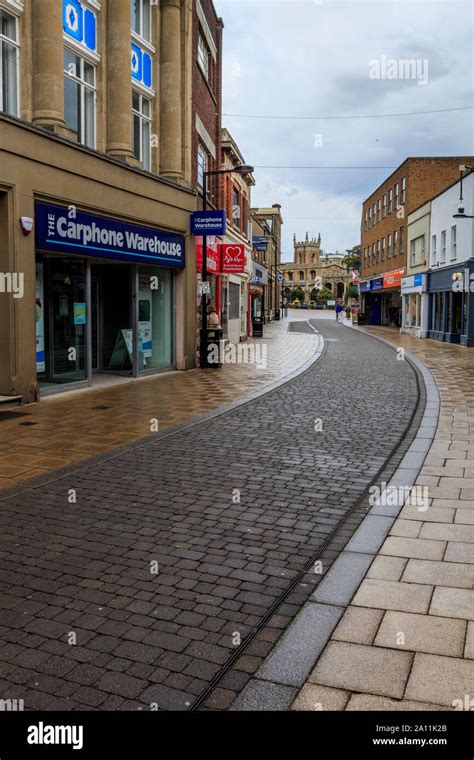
(130,580)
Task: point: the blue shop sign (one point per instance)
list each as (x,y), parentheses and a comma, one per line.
(80,24)
(65,231)
(364,286)
(376,284)
(417,280)
(208,222)
(141,66)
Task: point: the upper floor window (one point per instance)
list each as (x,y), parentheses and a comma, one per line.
(443,246)
(9,55)
(396,196)
(389,245)
(203,56)
(141,18)
(384,205)
(378,250)
(402,239)
(390,200)
(79,97)
(383,249)
(202,164)
(365,220)
(370,218)
(395,242)
(374,212)
(433,249)
(236,216)
(453,242)
(379,210)
(404,187)
(141,129)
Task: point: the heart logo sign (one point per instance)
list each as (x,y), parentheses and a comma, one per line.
(233,258)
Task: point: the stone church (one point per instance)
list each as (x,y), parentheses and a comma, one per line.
(312,270)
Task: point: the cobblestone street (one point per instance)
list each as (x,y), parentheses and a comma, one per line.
(228,511)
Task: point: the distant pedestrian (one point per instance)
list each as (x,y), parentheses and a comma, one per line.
(348,312)
(338,311)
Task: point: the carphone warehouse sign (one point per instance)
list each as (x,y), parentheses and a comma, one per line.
(68,230)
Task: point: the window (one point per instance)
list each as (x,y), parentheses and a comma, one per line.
(365,220)
(395,242)
(236,216)
(141,129)
(79,97)
(9,55)
(443,247)
(404,185)
(203,56)
(390,200)
(379,210)
(453,242)
(373,253)
(384,205)
(141,18)
(370,218)
(433,249)
(402,240)
(374,213)
(417,251)
(301,275)
(383,249)
(389,246)
(378,250)
(202,163)
(396,196)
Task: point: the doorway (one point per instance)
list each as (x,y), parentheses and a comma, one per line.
(111,319)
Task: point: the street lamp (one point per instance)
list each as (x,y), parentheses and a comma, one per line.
(461,215)
(242,169)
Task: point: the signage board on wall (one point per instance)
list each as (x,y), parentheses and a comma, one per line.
(208,222)
(67,230)
(232,258)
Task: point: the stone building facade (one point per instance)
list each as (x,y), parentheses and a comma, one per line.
(312,270)
(96,192)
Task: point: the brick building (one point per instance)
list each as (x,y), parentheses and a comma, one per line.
(266,254)
(384,231)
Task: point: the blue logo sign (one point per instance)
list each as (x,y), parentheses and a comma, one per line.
(208,223)
(417,280)
(141,66)
(376,284)
(91,235)
(80,24)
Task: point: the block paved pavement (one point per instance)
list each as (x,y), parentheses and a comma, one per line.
(406,641)
(68,428)
(125,580)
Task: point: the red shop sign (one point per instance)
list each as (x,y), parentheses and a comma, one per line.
(232,257)
(213,257)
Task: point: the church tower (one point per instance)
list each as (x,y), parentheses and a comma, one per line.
(307,252)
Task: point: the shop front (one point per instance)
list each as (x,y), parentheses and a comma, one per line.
(451,304)
(258,286)
(381,299)
(104,296)
(415,305)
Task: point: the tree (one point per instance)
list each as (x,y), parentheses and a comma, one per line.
(297,293)
(352,291)
(352,259)
(325,294)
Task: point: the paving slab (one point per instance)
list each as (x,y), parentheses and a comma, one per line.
(413,547)
(358,625)
(317,697)
(453,603)
(369,702)
(434,573)
(421,633)
(441,680)
(354,667)
(393,595)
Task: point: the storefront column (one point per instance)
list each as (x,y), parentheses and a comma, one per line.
(88,323)
(425,311)
(135,330)
(48,68)
(119,81)
(170,90)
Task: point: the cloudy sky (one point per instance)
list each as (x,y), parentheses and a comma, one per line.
(304,58)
